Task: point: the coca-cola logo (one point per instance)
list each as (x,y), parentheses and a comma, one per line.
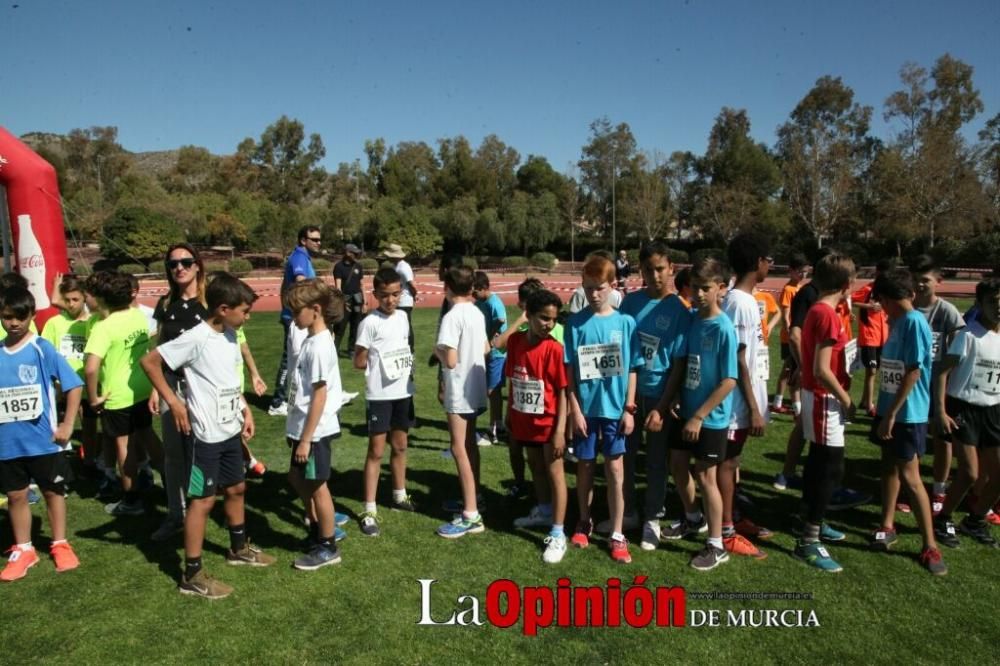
(33,261)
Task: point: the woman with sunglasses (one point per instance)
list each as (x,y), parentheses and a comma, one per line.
(181,309)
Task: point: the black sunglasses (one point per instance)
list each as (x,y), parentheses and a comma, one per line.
(314,240)
(187,262)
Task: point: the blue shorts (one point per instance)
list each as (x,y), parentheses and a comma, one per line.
(494,372)
(909,440)
(612,439)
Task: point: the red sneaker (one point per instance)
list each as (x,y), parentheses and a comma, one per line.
(64,556)
(256,470)
(751,530)
(581,537)
(937,503)
(619,551)
(18,564)
(993,518)
(740,545)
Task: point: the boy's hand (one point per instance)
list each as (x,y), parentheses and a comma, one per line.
(249,427)
(757,424)
(946,423)
(885,426)
(154,403)
(63,434)
(850,411)
(692,430)
(302,452)
(654,420)
(97,402)
(558,445)
(259,386)
(627,424)
(579,425)
(181,421)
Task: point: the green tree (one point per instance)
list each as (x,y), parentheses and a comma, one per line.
(284,167)
(497,164)
(195,170)
(138,234)
(609,150)
(821,149)
(409,172)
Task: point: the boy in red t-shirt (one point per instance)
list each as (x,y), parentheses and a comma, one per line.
(873,331)
(826,405)
(537,414)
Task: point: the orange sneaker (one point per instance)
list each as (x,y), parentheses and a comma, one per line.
(581,537)
(751,530)
(256,469)
(18,564)
(740,545)
(619,551)
(64,556)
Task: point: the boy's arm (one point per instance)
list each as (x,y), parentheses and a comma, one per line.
(500,342)
(947,364)
(823,371)
(773,324)
(448,356)
(579,420)
(360,357)
(628,419)
(259,387)
(559,434)
(692,429)
(313,416)
(655,418)
(745,384)
(152,365)
(91,375)
(910,379)
(65,430)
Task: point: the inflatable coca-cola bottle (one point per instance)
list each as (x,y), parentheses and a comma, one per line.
(31,261)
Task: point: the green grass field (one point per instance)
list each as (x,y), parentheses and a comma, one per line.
(122,604)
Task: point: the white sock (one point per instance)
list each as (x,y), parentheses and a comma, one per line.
(25,546)
(252,462)
(398,495)
(370,507)
(617,536)
(58,541)
(778,399)
(797,408)
(716,542)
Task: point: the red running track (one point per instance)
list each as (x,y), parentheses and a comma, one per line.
(431,293)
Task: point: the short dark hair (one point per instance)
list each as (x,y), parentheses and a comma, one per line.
(833,272)
(10,280)
(746,250)
(384,276)
(542,298)
(682,278)
(986,288)
(883,265)
(894,284)
(134,281)
(922,264)
(306,293)
(459,280)
(228,290)
(797,261)
(527,288)
(708,268)
(306,230)
(480,281)
(448,261)
(653,248)
(112,287)
(18,300)
(69,284)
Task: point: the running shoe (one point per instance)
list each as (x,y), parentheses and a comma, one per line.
(883,539)
(535,518)
(944,532)
(405,504)
(278,410)
(256,469)
(249,555)
(340,519)
(903,507)
(937,503)
(930,559)
(630,521)
(369,524)
(992,517)
(751,530)
(319,556)
(740,545)
(460,527)
(619,551)
(650,535)
(815,555)
(708,558)
(167,529)
(555,549)
(846,498)
(581,537)
(203,585)
(123,508)
(18,563)
(978,529)
(683,529)
(64,557)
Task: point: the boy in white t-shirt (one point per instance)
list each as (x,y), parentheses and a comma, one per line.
(462,348)
(382,351)
(314,399)
(217,417)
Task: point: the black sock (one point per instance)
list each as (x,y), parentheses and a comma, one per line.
(326,542)
(237,537)
(192,565)
(314,532)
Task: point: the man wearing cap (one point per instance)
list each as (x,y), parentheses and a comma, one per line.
(298,267)
(406,281)
(347,276)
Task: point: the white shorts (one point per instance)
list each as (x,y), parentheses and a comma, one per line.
(822,419)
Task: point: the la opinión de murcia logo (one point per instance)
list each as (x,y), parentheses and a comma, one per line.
(613,604)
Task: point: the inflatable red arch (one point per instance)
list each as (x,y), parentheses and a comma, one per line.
(35,216)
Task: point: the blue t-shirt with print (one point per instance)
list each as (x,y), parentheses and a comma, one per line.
(27,388)
(601,351)
(909,346)
(711,357)
(299,263)
(493,310)
(662,325)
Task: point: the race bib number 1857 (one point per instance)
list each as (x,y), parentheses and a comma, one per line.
(20,403)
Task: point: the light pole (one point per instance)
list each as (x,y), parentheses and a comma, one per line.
(614,226)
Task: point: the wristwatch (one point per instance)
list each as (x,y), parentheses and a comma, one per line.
(630,408)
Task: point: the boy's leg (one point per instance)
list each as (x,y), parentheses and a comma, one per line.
(868,393)
(965,477)
(539,463)
(680,469)
(128,461)
(633,443)
(711,497)
(656,473)
(614,470)
(397,459)
(584,487)
(991,470)
(726,480)
(194,526)
(909,472)
(942,463)
(793,449)
(890,485)
(373,464)
(461,431)
(55,505)
(20,515)
(151,444)
(516,453)
(557,482)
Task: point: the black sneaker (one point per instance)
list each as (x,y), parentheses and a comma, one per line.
(369,524)
(978,529)
(944,532)
(683,529)
(709,558)
(406,504)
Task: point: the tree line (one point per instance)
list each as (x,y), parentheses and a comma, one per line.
(826,180)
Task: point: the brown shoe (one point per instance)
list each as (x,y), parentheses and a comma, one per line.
(203,585)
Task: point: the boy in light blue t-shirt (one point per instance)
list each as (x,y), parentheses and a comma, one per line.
(496,323)
(702,383)
(903,408)
(602,355)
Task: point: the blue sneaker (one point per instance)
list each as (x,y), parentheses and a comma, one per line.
(814,554)
(845,498)
(827,533)
(339,534)
(780,482)
(460,527)
(33,496)
(340,518)
(319,556)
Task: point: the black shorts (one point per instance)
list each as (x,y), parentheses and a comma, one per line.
(317,467)
(871,357)
(978,425)
(386,415)
(86,411)
(50,471)
(908,440)
(214,465)
(736,439)
(711,445)
(786,356)
(125,421)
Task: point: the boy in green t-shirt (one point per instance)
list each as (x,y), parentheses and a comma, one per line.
(117,388)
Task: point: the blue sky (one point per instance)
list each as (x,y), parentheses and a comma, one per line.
(534,73)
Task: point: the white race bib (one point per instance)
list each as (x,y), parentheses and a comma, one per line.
(891,373)
(650,344)
(20,403)
(71,346)
(396,362)
(598,361)
(986,376)
(693,378)
(762,368)
(852,360)
(936,345)
(228,403)
(528,396)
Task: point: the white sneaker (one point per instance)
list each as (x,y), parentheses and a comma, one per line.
(650,535)
(280,410)
(629,522)
(555,548)
(535,518)
(482,439)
